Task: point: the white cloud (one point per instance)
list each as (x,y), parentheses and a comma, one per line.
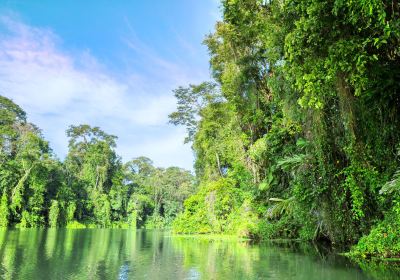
(58,88)
(171,72)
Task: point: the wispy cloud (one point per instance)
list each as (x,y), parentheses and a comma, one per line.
(172,73)
(58,88)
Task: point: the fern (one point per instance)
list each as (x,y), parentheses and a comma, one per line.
(292,162)
(280,207)
(392,186)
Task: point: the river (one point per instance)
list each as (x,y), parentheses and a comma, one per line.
(129,254)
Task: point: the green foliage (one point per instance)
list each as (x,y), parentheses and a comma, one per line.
(194,219)
(297,137)
(284,228)
(218,207)
(75,225)
(191,101)
(383,241)
(308,124)
(70,211)
(4,211)
(25,220)
(392,187)
(54,213)
(91,188)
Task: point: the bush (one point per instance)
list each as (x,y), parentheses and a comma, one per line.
(383,241)
(219,207)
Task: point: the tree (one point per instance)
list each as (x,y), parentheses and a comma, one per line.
(4,211)
(90,187)
(191,101)
(91,165)
(307,124)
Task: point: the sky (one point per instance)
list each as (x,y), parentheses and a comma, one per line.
(106,63)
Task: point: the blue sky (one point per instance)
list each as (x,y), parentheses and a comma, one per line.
(107,63)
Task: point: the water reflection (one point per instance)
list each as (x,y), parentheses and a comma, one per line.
(126,254)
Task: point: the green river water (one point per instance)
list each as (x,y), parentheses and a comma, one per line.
(129,254)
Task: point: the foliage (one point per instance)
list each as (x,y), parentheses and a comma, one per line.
(296,137)
(306,122)
(54,213)
(218,207)
(383,241)
(90,188)
(4,211)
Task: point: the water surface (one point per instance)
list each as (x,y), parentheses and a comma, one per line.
(129,254)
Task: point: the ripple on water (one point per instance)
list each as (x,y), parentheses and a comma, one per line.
(127,254)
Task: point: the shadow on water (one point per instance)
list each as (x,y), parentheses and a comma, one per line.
(127,254)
